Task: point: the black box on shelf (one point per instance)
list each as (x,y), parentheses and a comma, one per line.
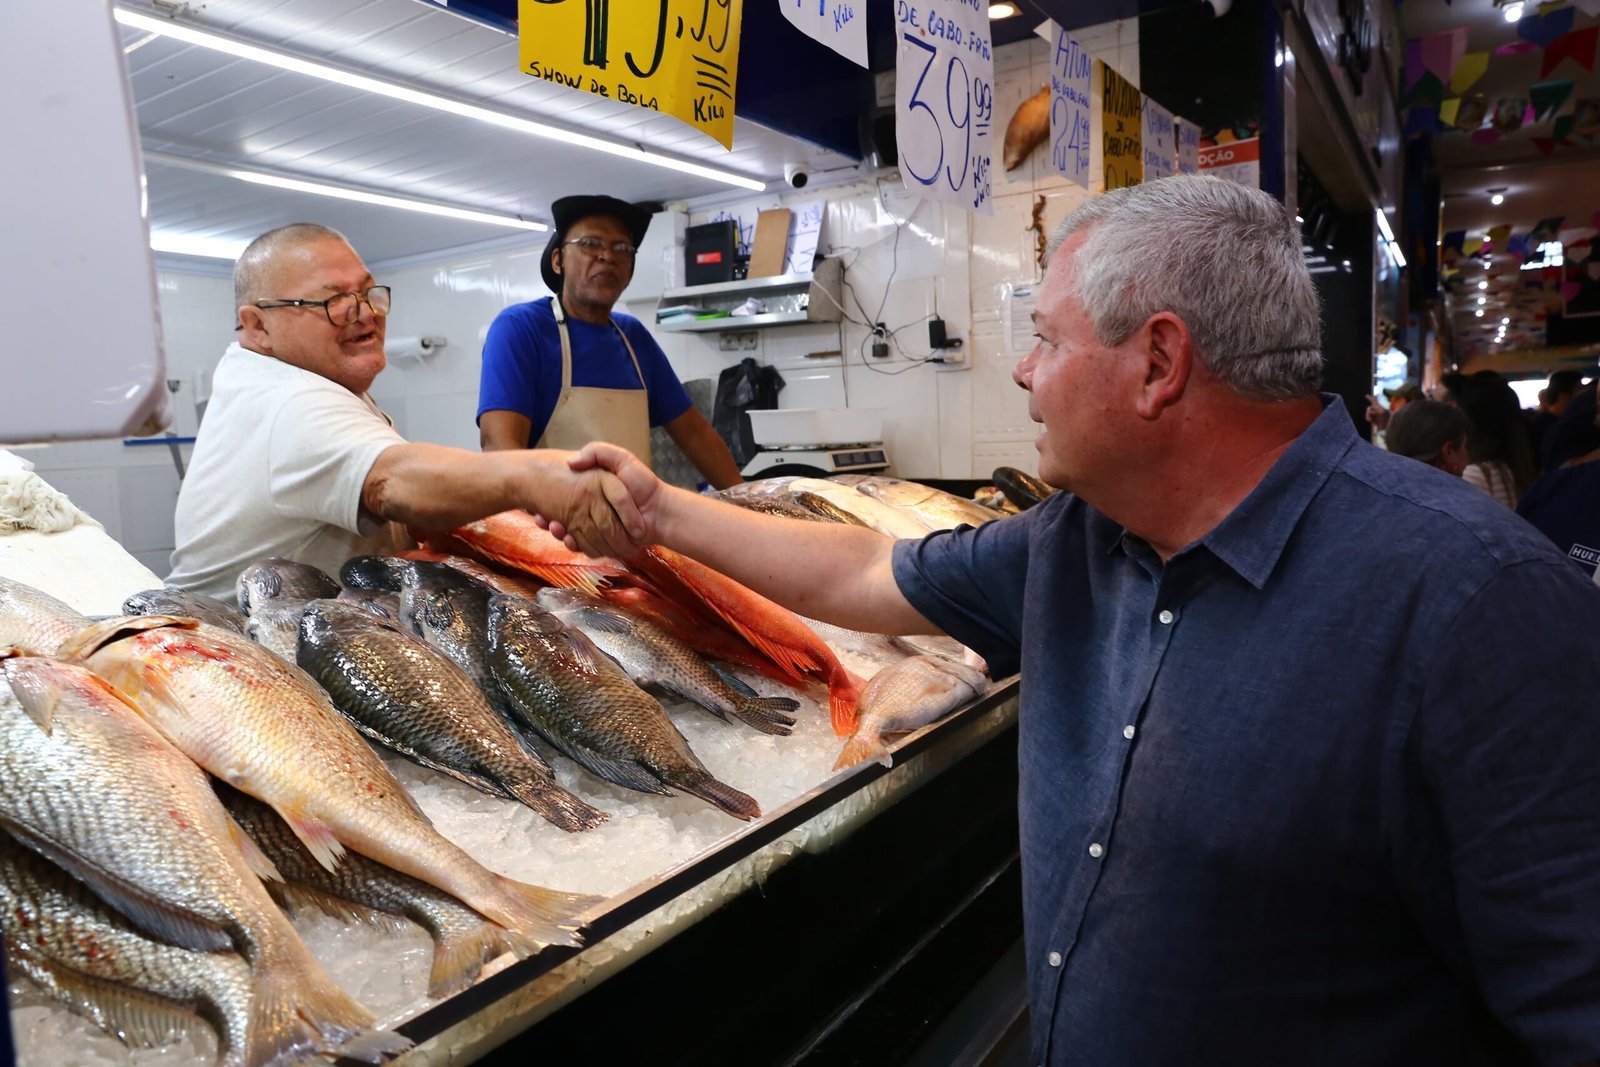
(708,252)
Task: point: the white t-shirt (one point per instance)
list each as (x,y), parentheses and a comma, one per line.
(277,470)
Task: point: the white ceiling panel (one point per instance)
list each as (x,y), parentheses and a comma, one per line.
(202,104)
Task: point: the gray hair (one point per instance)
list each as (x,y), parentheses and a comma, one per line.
(253,269)
(1224,258)
(1422,428)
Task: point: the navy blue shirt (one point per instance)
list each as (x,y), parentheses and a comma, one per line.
(522,365)
(1565,506)
(1324,789)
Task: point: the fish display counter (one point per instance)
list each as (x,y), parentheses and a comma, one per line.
(769,879)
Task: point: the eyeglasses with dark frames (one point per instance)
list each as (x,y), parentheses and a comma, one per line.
(594,246)
(341,308)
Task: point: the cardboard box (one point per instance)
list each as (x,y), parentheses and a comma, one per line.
(770,242)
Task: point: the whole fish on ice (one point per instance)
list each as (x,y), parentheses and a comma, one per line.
(906,697)
(279,577)
(267,729)
(34,621)
(168,601)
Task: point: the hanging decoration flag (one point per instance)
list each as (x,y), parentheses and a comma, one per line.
(1586,118)
(1122,155)
(1500,236)
(835,23)
(1423,119)
(1543,30)
(1449,111)
(1545,231)
(1562,129)
(1453,240)
(1545,145)
(1070,70)
(1515,48)
(1508,114)
(944,101)
(1547,98)
(1428,90)
(1441,52)
(679,57)
(1159,138)
(1468,71)
(1413,69)
(1471,245)
(1518,246)
(1578,46)
(1588,7)
(1188,147)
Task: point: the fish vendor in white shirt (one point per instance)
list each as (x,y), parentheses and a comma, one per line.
(294,459)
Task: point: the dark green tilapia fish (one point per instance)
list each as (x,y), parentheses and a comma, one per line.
(463,940)
(278,577)
(407,697)
(568,691)
(92,959)
(826,509)
(655,659)
(450,611)
(1020,487)
(379,573)
(170,601)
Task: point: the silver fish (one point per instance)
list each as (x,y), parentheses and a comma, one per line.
(880,648)
(463,940)
(655,659)
(275,626)
(934,508)
(279,577)
(565,688)
(407,696)
(34,621)
(88,783)
(169,601)
(267,728)
(100,965)
(906,697)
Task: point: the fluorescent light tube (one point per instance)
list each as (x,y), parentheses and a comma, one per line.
(342,192)
(285,61)
(190,245)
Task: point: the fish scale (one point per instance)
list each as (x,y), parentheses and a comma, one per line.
(33,620)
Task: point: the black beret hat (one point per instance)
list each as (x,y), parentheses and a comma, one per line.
(570,209)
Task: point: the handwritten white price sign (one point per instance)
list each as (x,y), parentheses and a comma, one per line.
(836,23)
(944,100)
(1160,141)
(1070,67)
(1188,147)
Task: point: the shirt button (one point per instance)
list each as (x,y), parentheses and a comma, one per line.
(1128,732)
(1096,850)
(1166,617)
(1054,958)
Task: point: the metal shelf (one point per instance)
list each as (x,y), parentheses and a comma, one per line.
(733,322)
(792,298)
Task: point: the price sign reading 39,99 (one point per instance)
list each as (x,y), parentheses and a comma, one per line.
(944,100)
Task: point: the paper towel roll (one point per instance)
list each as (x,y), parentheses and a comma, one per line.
(411,348)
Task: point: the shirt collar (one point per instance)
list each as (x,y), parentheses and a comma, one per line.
(1253,535)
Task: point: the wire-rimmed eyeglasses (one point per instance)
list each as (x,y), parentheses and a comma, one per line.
(594,246)
(341,308)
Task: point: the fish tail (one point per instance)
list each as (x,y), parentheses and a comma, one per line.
(459,954)
(536,916)
(563,809)
(861,748)
(844,690)
(294,1013)
(718,794)
(770,715)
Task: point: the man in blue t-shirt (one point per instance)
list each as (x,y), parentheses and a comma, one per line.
(559,373)
(1261,824)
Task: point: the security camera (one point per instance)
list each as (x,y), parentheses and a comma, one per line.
(796,174)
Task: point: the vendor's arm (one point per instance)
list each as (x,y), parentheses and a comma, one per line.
(705,448)
(436,487)
(501,430)
(840,574)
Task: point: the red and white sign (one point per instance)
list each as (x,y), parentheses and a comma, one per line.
(1236,161)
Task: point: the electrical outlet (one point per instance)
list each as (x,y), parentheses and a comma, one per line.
(737,341)
(748,341)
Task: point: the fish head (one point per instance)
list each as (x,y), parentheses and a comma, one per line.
(375,602)
(90,640)
(515,614)
(275,625)
(559,600)
(373,572)
(145,602)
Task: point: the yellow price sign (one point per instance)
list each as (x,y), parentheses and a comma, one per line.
(1121,130)
(680,57)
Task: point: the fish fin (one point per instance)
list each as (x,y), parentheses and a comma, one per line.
(861,748)
(844,691)
(371,1046)
(604,620)
(317,836)
(718,794)
(770,715)
(544,916)
(254,858)
(626,773)
(736,683)
(89,640)
(290,1016)
(297,898)
(136,1018)
(155,916)
(460,953)
(38,697)
(563,809)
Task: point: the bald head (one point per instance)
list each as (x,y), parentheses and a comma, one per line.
(255,273)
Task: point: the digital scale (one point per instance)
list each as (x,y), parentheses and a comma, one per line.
(818,461)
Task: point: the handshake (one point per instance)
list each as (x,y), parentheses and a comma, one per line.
(603,501)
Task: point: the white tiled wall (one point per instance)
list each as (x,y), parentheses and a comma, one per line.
(940,423)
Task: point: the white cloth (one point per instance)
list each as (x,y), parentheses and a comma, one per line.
(1493,478)
(28,502)
(277,470)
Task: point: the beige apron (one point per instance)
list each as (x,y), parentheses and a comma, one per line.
(587,413)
